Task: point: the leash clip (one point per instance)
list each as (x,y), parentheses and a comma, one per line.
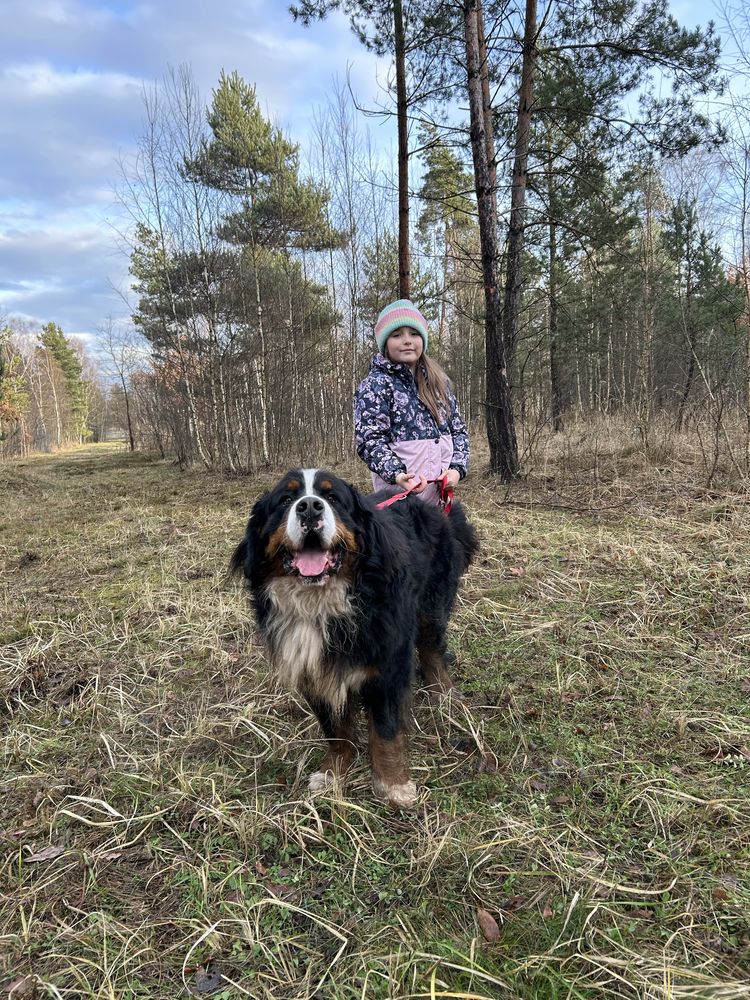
(445,493)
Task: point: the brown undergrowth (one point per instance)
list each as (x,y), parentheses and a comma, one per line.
(583,825)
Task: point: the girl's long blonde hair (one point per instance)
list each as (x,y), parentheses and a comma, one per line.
(432,388)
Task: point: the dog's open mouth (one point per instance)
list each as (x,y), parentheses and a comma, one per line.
(312,564)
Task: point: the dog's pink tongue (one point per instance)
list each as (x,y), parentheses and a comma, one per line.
(310,563)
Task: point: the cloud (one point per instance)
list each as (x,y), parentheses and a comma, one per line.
(40,80)
(63,275)
(73,74)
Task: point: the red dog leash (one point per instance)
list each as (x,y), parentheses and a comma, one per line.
(445,494)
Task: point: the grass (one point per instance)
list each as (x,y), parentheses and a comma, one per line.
(593,796)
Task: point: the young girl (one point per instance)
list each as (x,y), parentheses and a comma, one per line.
(407,425)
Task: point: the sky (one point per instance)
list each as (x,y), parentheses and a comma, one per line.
(72,79)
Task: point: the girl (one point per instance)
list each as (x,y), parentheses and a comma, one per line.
(407,424)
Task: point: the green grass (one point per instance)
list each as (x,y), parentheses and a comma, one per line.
(592,796)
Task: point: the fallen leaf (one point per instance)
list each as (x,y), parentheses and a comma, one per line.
(547,911)
(261,869)
(488,925)
(283,891)
(21,988)
(719,895)
(48,853)
(488,764)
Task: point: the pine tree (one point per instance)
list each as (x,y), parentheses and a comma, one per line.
(703,299)
(252,160)
(223,293)
(66,357)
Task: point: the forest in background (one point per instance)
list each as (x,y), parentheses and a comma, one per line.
(259,269)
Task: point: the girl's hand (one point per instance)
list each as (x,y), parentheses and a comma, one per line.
(453,477)
(406,480)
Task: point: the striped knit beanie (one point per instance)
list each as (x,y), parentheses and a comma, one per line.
(399,313)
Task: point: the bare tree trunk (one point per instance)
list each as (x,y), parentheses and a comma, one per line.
(128,418)
(689,379)
(689,334)
(745,275)
(555,375)
(38,395)
(501,433)
(625,354)
(51,373)
(261,372)
(610,363)
(404,258)
(647,343)
(514,273)
(489,131)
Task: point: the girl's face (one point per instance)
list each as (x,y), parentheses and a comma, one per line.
(405,346)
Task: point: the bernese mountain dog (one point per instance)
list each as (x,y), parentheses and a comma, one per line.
(343,591)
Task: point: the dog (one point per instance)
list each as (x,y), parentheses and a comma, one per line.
(343,591)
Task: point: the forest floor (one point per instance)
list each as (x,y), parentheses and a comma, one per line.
(583,828)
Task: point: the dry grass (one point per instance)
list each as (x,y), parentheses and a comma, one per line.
(593,796)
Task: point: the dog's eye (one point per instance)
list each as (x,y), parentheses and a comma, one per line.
(331,498)
(285,501)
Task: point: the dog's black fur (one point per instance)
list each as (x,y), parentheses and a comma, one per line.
(396,570)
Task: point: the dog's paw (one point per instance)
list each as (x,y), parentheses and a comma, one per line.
(399,796)
(320,781)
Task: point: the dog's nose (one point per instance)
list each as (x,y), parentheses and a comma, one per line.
(310,505)
(310,510)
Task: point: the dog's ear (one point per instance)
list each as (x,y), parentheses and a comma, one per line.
(245,556)
(237,562)
(378,537)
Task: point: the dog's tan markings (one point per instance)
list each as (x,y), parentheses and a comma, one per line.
(340,753)
(345,535)
(326,484)
(437,681)
(293,484)
(390,769)
(277,539)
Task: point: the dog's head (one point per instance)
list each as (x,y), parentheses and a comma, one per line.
(310,527)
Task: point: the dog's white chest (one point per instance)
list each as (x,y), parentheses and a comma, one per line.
(297,636)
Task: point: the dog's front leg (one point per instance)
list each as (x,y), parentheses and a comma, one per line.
(339,731)
(389,749)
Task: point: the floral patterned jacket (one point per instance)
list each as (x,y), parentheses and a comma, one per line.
(395,432)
